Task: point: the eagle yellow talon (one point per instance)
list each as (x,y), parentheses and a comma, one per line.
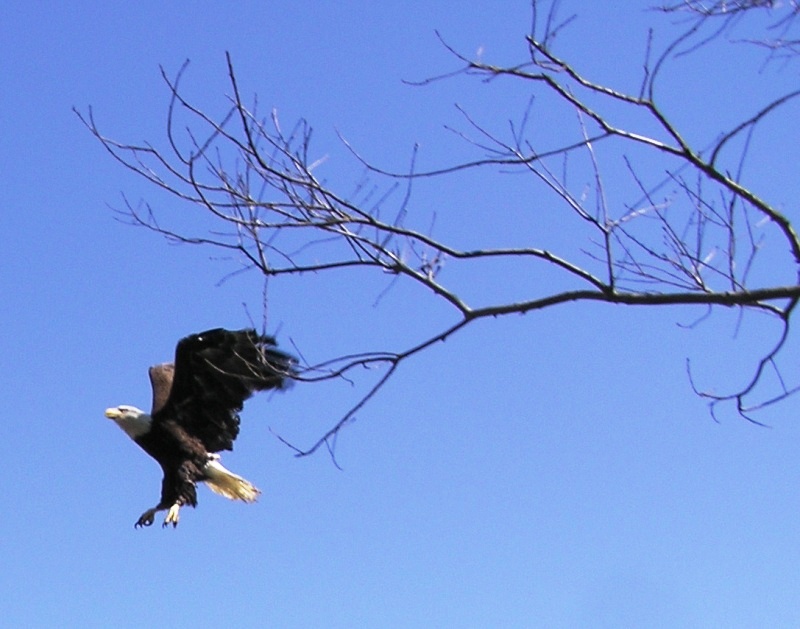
(146,518)
(172,516)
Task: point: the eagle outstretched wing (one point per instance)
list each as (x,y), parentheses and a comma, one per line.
(213,374)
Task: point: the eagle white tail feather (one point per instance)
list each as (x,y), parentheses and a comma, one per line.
(225,483)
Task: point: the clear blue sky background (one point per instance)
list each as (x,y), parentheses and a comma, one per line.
(552,470)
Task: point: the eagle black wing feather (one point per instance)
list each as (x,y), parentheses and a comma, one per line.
(215,372)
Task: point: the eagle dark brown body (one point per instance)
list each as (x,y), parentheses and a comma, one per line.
(195,415)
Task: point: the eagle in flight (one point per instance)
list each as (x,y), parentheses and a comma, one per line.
(195,414)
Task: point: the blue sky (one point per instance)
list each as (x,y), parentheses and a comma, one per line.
(550,470)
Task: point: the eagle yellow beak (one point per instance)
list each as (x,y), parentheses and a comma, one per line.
(113,413)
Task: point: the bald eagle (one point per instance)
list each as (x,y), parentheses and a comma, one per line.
(195,414)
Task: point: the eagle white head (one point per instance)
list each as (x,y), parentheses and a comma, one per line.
(134,421)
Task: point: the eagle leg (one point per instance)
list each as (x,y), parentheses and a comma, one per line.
(146,518)
(172,515)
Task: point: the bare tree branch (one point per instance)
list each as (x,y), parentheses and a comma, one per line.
(695,245)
